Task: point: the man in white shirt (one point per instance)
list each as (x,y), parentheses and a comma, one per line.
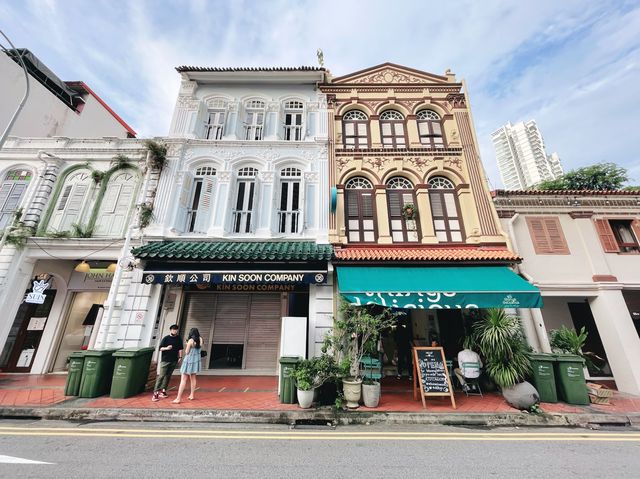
(467,356)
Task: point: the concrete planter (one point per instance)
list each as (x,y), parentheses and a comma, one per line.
(352,392)
(305,398)
(521,396)
(371,394)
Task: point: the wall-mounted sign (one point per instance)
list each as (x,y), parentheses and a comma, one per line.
(36,324)
(92,280)
(36,296)
(266,278)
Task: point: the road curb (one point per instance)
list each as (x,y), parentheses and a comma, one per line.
(322,415)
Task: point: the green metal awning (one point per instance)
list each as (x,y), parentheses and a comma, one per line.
(235,251)
(458,287)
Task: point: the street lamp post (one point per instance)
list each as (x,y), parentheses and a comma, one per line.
(6,131)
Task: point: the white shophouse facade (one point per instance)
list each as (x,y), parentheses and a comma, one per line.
(582,249)
(244,192)
(65,188)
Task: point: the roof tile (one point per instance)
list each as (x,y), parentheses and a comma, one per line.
(235,250)
(425,254)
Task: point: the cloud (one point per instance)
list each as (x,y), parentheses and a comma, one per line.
(572,66)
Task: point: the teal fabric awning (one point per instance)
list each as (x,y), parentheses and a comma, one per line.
(437,287)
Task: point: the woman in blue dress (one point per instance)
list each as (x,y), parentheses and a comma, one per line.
(191,364)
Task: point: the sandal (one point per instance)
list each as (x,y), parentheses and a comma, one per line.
(190,398)
(175,401)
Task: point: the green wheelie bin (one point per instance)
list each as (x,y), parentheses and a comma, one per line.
(572,386)
(76,363)
(130,371)
(287,384)
(543,376)
(96,373)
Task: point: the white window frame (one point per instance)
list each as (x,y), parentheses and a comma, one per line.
(116,204)
(77,187)
(243,208)
(12,191)
(293,121)
(290,204)
(201,200)
(254,120)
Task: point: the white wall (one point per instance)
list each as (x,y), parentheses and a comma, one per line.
(44,115)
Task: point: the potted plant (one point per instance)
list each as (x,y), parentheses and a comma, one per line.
(500,340)
(570,341)
(370,375)
(309,374)
(304,376)
(357,327)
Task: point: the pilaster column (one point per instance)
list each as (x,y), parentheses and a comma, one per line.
(382,215)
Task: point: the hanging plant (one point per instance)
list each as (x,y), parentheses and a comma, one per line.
(121,162)
(409,211)
(146,215)
(79,231)
(158,156)
(97,176)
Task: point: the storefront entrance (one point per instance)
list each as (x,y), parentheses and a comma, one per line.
(81,317)
(26,332)
(241,332)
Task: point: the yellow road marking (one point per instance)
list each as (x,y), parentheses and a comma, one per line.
(170,432)
(315,435)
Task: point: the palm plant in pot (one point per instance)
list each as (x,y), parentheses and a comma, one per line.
(352,334)
(499,337)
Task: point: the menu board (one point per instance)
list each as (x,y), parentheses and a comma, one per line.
(430,369)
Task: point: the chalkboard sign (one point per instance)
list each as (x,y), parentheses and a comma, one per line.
(430,368)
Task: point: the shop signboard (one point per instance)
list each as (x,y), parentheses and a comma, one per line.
(37,296)
(431,373)
(235,278)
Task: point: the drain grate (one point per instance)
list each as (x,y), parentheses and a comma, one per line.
(313,424)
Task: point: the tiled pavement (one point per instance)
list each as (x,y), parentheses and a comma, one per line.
(260,393)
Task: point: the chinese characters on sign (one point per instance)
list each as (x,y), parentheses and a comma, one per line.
(239,278)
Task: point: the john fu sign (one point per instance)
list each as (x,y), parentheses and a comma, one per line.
(239,277)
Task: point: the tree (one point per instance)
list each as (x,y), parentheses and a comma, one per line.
(602,176)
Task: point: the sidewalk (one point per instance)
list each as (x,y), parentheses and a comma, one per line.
(255,399)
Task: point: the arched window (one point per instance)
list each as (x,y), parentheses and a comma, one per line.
(289,211)
(12,190)
(430,129)
(403,210)
(355,130)
(245,201)
(72,201)
(201,204)
(392,129)
(293,111)
(360,210)
(445,210)
(116,204)
(214,128)
(254,120)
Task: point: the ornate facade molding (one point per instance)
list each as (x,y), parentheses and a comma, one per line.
(188,87)
(389,75)
(188,102)
(457,100)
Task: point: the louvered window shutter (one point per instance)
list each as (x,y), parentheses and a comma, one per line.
(352,204)
(607,238)
(395,203)
(635,226)
(538,236)
(367,205)
(555,236)
(203,216)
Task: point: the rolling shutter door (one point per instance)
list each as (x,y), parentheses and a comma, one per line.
(264,332)
(231,319)
(199,310)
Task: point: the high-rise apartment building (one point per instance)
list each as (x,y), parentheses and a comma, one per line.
(522,159)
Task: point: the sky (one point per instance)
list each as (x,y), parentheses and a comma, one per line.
(573,66)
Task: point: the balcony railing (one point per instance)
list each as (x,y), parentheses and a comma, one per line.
(241,222)
(288,221)
(293,132)
(213,132)
(253,132)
